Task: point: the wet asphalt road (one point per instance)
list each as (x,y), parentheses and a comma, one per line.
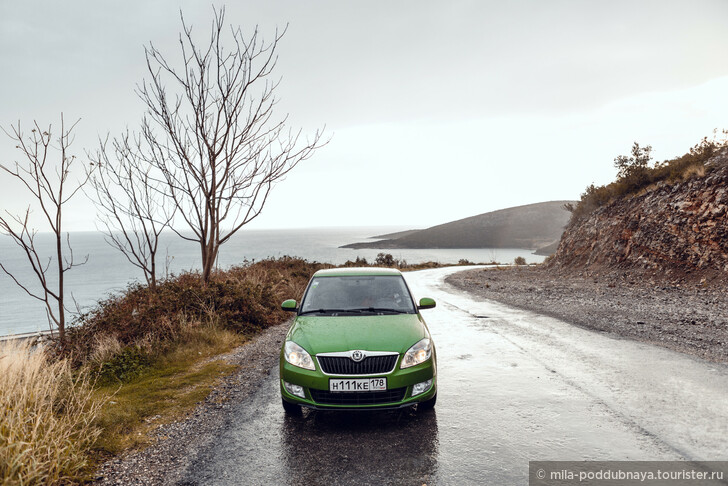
(514,386)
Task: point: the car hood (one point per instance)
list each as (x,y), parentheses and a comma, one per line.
(326,334)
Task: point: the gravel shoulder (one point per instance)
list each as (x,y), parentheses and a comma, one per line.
(176,445)
(687,318)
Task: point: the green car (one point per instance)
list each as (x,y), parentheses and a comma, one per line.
(358,342)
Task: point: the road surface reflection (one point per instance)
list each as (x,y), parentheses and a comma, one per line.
(383,447)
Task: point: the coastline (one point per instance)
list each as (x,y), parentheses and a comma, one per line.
(687,318)
(108,273)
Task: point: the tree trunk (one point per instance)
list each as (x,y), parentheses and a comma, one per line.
(61,270)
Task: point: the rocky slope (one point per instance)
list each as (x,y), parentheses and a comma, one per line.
(529,226)
(679,231)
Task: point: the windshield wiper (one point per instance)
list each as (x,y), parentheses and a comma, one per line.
(323,311)
(379,309)
(357,310)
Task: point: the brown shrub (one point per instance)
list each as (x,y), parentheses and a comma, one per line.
(244,299)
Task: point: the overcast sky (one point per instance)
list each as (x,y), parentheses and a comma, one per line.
(438,110)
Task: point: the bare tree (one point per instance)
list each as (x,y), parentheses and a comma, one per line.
(48,183)
(134,208)
(223,149)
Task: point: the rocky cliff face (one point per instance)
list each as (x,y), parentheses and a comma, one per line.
(678,231)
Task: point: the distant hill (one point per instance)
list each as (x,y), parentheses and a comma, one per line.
(530,226)
(548,249)
(399,234)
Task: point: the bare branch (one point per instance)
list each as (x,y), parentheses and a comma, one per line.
(212,117)
(132,199)
(46,183)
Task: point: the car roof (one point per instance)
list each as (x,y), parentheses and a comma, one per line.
(356,272)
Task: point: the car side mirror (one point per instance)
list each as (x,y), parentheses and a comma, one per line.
(289,305)
(426,303)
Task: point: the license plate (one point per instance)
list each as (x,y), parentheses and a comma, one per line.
(358,385)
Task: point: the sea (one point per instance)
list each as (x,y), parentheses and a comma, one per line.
(107,272)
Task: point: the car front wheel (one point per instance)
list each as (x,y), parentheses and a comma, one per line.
(428,404)
(291,408)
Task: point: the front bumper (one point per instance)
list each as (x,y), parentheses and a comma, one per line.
(398,395)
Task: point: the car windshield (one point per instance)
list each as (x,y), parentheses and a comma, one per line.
(357,294)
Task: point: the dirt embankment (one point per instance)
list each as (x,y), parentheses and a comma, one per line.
(690,318)
(677,231)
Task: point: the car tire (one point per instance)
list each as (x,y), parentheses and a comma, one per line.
(428,404)
(291,408)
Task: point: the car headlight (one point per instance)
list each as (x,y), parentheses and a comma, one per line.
(298,356)
(419,353)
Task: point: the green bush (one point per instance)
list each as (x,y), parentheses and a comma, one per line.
(359,262)
(635,174)
(123,367)
(385,259)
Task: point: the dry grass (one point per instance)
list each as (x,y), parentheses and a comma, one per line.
(693,171)
(55,423)
(47,414)
(105,347)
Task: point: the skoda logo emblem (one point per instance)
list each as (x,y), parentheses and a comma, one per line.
(357,356)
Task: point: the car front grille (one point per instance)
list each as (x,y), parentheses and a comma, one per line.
(371,365)
(358,398)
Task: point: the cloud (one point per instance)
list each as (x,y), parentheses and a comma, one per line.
(439,110)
